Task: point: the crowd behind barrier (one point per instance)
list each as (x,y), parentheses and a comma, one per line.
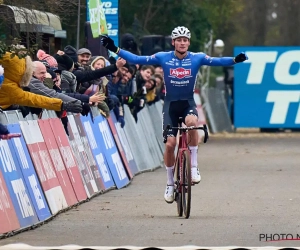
(88,124)
(44,172)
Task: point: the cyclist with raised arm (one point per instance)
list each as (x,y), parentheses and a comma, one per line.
(180,69)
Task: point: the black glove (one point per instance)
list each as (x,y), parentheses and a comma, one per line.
(241,57)
(65,121)
(73,106)
(108,43)
(85,109)
(24,110)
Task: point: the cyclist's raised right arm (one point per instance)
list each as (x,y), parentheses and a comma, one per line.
(132,58)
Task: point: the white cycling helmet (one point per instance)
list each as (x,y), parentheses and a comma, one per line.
(181,31)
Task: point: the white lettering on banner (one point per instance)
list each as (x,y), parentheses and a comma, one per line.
(38,166)
(103,168)
(258,61)
(47,164)
(112,32)
(4,202)
(282,100)
(282,68)
(119,166)
(36,192)
(22,197)
(124,143)
(6,157)
(68,156)
(108,10)
(108,141)
(57,162)
(21,153)
(68,159)
(75,133)
(90,134)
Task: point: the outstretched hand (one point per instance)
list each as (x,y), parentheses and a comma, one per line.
(241,57)
(109,43)
(120,62)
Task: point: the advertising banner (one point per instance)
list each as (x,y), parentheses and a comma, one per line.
(16,186)
(42,163)
(122,145)
(31,180)
(88,151)
(57,162)
(81,156)
(111,12)
(8,217)
(267,88)
(68,158)
(110,151)
(97,152)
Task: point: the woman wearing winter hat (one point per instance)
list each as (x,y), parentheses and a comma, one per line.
(97,85)
(43,56)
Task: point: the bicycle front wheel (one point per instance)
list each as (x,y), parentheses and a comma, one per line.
(186,188)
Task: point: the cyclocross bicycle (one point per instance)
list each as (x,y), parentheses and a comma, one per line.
(182,170)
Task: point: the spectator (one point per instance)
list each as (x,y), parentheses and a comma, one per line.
(150,88)
(18,73)
(128,43)
(68,79)
(71,52)
(83,56)
(97,85)
(42,56)
(159,70)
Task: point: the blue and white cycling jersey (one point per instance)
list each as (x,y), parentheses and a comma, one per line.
(179,74)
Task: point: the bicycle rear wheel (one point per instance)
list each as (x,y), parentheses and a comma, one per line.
(186,188)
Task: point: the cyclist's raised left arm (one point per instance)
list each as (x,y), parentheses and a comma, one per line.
(223,61)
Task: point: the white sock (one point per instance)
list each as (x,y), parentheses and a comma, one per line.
(170,175)
(194,154)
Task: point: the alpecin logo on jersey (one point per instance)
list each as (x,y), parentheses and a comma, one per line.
(180,72)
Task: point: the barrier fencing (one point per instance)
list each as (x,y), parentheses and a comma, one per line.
(45,172)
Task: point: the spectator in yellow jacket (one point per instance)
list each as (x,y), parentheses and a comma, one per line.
(17,74)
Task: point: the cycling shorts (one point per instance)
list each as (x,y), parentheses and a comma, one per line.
(173,110)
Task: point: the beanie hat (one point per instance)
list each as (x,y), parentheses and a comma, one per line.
(64,62)
(71,52)
(43,56)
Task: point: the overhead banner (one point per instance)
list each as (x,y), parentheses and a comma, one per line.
(266,88)
(104,12)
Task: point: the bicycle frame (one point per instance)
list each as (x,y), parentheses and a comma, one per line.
(183,178)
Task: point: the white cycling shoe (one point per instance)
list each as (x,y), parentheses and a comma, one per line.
(196,177)
(169,194)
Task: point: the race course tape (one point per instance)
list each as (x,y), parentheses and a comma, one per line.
(21,246)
